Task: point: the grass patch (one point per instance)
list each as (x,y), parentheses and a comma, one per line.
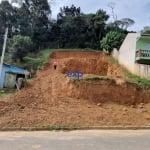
(136,79)
(42,128)
(95,78)
(130,77)
(55,127)
(113,61)
(6,92)
(37,60)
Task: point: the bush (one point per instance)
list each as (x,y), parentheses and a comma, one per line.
(112,40)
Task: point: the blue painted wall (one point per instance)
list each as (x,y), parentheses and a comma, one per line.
(9,68)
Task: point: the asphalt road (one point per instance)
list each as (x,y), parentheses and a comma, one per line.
(76,140)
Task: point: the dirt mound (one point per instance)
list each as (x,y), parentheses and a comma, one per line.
(53,99)
(86,62)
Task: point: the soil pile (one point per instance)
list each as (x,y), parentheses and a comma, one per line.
(53,99)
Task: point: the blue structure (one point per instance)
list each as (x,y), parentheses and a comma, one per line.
(9,75)
(76,75)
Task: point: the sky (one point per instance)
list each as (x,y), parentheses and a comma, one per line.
(138,10)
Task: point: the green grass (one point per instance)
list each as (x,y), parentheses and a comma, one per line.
(43,128)
(95,78)
(113,61)
(6,92)
(132,78)
(38,60)
(136,79)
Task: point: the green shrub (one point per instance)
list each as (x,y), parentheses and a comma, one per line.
(112,40)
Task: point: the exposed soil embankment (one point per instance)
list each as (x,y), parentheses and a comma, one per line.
(104,91)
(86,62)
(53,99)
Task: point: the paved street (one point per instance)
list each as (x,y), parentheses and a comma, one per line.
(76,140)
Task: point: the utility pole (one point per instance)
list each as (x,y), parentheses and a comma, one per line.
(3,52)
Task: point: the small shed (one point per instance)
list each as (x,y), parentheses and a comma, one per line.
(10,74)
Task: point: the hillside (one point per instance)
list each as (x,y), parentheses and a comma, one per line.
(102,97)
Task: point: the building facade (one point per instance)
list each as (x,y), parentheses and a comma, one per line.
(134,54)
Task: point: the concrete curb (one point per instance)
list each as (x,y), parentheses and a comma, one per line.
(55,128)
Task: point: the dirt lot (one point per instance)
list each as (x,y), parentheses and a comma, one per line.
(52,99)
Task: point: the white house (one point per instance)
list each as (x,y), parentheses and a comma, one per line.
(134,54)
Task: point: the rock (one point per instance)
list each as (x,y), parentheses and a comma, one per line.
(132,106)
(125,109)
(22,107)
(124,113)
(139,111)
(141,106)
(36,95)
(99,104)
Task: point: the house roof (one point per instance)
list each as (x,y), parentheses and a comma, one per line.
(14,69)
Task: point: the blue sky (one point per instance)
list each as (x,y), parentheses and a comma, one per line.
(137,10)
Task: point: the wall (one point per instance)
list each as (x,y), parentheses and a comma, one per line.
(142,70)
(143,43)
(10,80)
(115,53)
(127,52)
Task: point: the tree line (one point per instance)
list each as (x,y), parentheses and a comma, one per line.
(31,28)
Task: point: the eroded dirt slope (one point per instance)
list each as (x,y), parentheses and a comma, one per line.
(52,99)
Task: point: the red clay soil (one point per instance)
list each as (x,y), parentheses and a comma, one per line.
(53,99)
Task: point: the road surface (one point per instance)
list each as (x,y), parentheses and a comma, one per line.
(76,140)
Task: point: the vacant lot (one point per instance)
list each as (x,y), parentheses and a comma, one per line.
(101,98)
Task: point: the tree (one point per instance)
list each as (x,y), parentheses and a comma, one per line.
(33,20)
(20,46)
(112,40)
(124,23)
(7,17)
(71,24)
(23,19)
(80,30)
(98,23)
(146,30)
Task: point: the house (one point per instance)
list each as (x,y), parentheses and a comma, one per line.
(134,54)
(10,74)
